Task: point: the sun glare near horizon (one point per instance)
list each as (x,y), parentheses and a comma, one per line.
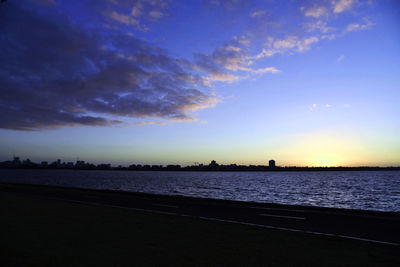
(327,149)
(325,161)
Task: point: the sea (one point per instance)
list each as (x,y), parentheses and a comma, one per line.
(365,190)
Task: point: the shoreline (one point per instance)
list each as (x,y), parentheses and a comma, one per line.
(210,200)
(370,226)
(44,231)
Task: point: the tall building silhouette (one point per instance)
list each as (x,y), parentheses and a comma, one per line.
(272,163)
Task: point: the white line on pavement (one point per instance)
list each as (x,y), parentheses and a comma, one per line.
(232,221)
(262,208)
(168,206)
(281,216)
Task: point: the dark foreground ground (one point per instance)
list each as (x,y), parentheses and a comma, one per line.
(42,226)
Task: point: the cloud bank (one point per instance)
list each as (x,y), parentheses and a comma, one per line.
(55,73)
(61,67)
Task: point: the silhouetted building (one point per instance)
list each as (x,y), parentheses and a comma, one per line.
(80,164)
(272,163)
(173,167)
(69,165)
(16,161)
(104,166)
(213,164)
(146,167)
(57,163)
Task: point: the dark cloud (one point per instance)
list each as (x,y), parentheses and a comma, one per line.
(56,73)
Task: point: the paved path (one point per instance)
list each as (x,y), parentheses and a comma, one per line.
(378,227)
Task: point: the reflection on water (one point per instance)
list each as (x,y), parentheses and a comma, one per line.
(372,190)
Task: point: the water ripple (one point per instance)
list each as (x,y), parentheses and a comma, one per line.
(370,190)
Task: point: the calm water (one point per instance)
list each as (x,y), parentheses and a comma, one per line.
(369,190)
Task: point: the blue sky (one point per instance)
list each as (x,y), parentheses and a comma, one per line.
(157,82)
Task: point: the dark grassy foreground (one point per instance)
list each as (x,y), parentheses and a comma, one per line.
(38,232)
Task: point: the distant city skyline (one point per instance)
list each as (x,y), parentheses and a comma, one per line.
(18,163)
(307,83)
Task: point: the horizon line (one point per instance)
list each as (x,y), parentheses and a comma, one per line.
(17,162)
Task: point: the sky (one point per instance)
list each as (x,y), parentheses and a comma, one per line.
(307,83)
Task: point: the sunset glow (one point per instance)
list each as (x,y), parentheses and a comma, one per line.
(325,161)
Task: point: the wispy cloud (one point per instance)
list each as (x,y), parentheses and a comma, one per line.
(290,44)
(258,13)
(155,14)
(135,13)
(242,40)
(316,11)
(342,5)
(312,107)
(228,63)
(319,25)
(265,70)
(325,9)
(154,9)
(222,77)
(340,58)
(319,106)
(354,27)
(124,19)
(141,123)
